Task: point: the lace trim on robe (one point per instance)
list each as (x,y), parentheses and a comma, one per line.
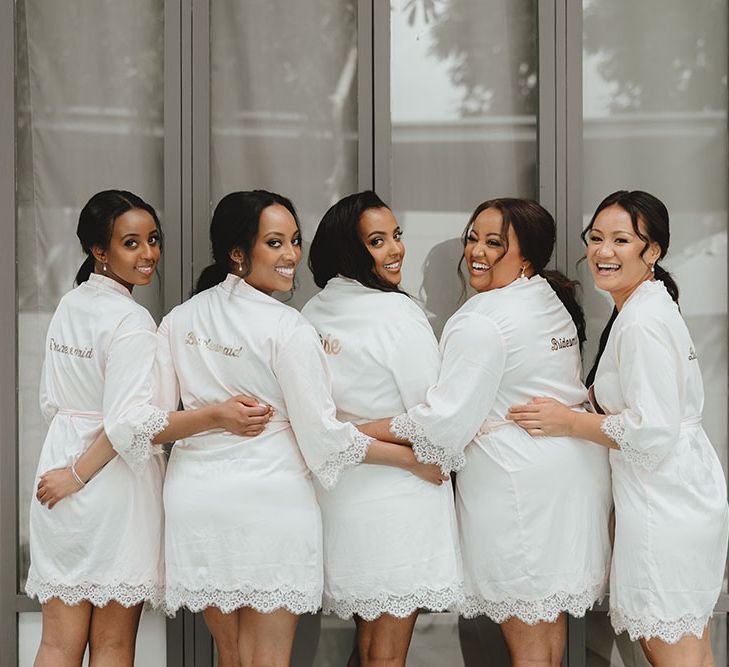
(425,451)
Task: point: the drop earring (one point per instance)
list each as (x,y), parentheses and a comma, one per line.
(103,268)
(522,274)
(240,268)
(653,269)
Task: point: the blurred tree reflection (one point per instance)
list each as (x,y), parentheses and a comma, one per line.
(686,72)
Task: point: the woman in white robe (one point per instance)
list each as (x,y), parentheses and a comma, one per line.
(96,556)
(668,485)
(532,513)
(243,528)
(390,539)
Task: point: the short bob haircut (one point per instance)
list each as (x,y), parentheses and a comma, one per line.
(337,248)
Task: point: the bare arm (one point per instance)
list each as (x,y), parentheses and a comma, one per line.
(380,430)
(241,415)
(55,485)
(389,454)
(545,416)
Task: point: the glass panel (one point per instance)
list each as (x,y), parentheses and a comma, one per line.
(151,648)
(464,97)
(283,105)
(655,119)
(463,108)
(89,117)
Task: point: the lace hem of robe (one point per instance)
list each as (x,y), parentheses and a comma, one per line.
(425,451)
(400,606)
(294,600)
(141,448)
(649,627)
(329,473)
(99,595)
(531,612)
(613,426)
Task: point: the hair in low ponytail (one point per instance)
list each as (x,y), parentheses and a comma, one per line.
(96,223)
(85,270)
(235,226)
(667,279)
(210,276)
(536,232)
(590,379)
(566,291)
(642,207)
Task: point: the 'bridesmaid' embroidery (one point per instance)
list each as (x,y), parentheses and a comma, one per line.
(563,342)
(81,353)
(208,343)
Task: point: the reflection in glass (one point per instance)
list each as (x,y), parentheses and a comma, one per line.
(655,119)
(89,117)
(463,105)
(463,111)
(283,105)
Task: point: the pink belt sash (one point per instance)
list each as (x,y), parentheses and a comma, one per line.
(80,413)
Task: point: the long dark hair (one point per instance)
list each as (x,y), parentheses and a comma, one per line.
(96,223)
(337,248)
(652,212)
(536,232)
(235,225)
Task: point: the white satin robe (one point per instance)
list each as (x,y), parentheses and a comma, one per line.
(104,542)
(243,527)
(390,538)
(671,518)
(532,512)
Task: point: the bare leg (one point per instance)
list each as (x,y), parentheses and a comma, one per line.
(265,640)
(65,634)
(534,645)
(384,642)
(689,651)
(224,629)
(113,635)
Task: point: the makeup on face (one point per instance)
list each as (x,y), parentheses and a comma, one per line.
(381,235)
(492,262)
(618,258)
(134,250)
(276,251)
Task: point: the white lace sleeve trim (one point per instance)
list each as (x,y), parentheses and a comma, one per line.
(99,595)
(425,451)
(648,627)
(613,426)
(141,448)
(531,612)
(400,606)
(305,601)
(329,473)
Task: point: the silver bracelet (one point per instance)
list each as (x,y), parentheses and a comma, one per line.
(79,481)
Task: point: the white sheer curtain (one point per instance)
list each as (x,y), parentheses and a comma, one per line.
(89,117)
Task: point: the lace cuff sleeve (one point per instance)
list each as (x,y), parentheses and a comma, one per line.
(405,428)
(329,473)
(141,449)
(613,426)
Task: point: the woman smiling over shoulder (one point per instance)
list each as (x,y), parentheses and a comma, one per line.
(668,485)
(242,525)
(96,556)
(390,539)
(532,513)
